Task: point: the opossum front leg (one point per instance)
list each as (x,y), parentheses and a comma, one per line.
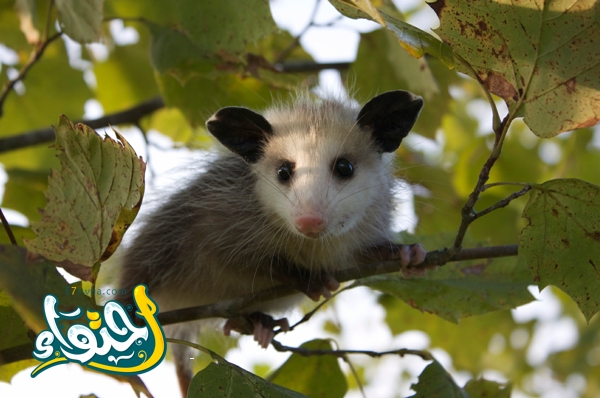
(409,256)
(263,327)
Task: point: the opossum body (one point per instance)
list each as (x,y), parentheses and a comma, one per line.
(305,190)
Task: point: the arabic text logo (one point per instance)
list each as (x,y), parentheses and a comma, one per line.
(110,342)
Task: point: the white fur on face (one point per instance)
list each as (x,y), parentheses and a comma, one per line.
(313,137)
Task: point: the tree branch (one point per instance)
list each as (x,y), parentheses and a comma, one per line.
(35,56)
(310,66)
(129,116)
(232,308)
(343,353)
(467,212)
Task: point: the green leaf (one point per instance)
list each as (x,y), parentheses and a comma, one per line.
(224,379)
(459,289)
(24,192)
(80,20)
(394,68)
(200,97)
(19,232)
(11,27)
(192,37)
(411,38)
(482,388)
(9,370)
(271,48)
(27,283)
(29,18)
(13,332)
(541,57)
(50,79)
(435,382)
(128,69)
(562,239)
(315,376)
(172,123)
(92,200)
(174,53)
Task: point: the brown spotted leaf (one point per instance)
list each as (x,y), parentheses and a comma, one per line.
(92,200)
(561,242)
(540,56)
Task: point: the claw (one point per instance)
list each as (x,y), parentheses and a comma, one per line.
(410,255)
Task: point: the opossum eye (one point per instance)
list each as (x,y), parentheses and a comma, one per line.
(285,171)
(344,168)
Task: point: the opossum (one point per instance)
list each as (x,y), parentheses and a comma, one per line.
(304,190)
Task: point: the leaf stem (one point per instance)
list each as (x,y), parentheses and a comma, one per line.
(9,231)
(496,124)
(495,184)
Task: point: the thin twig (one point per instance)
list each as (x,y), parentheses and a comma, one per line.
(502,203)
(9,231)
(310,314)
(342,353)
(355,375)
(35,56)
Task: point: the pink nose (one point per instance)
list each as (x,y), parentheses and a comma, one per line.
(310,224)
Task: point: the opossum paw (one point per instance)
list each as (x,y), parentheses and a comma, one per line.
(322,287)
(264,327)
(409,256)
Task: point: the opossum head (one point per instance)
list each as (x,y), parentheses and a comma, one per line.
(321,166)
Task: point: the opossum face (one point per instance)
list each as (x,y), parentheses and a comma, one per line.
(320,166)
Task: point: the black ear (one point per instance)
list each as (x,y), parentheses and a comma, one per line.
(389,117)
(241,130)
